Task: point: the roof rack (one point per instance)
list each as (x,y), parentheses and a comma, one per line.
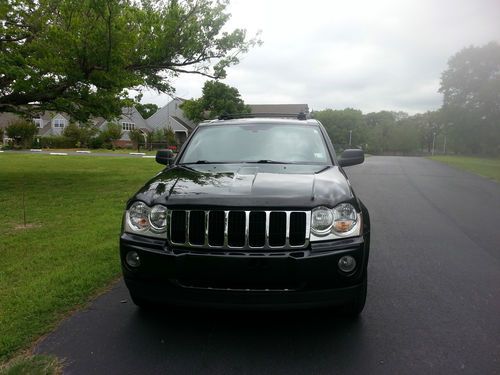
(298,116)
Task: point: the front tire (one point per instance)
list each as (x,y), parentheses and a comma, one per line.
(141,302)
(354,308)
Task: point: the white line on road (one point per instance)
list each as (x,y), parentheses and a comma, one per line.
(149,156)
(58,153)
(36,150)
(137,153)
(83,152)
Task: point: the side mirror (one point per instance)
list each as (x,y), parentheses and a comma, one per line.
(351,157)
(165,157)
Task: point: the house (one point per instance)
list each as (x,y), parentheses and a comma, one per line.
(130,119)
(273,109)
(171,116)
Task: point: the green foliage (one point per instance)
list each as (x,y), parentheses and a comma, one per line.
(137,137)
(338,123)
(1,134)
(73,133)
(55,141)
(80,56)
(162,137)
(146,110)
(470,85)
(217,99)
(23,132)
(112,132)
(170,137)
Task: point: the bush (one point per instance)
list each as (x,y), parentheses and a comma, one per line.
(96,142)
(56,141)
(22,131)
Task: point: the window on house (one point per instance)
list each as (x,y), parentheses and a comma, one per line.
(59,123)
(38,122)
(127,126)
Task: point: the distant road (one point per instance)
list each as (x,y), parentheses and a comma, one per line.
(433,298)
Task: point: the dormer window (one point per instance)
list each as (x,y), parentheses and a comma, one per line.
(59,123)
(127,126)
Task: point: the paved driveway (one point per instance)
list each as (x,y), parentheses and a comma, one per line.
(433,299)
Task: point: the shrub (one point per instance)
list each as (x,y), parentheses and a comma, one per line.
(56,141)
(22,131)
(96,142)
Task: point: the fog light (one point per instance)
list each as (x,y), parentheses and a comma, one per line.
(347,263)
(133,259)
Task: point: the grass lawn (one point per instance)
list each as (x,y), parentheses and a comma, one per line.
(68,250)
(482,166)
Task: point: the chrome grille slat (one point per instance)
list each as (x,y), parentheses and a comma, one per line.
(203,231)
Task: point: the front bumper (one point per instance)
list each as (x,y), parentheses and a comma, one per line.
(304,278)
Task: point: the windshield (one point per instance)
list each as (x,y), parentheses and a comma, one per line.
(257,143)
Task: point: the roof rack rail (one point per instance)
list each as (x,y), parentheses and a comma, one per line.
(298,116)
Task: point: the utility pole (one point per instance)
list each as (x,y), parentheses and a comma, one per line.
(350,137)
(433,142)
(444,145)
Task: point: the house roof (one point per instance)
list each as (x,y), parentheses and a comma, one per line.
(132,114)
(6,118)
(161,118)
(279,108)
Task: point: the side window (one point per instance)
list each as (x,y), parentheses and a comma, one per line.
(59,123)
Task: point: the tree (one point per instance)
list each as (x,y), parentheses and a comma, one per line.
(22,132)
(217,99)
(339,124)
(73,133)
(170,137)
(137,137)
(112,133)
(81,56)
(146,110)
(471,104)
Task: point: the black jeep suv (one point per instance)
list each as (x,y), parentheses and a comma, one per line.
(252,212)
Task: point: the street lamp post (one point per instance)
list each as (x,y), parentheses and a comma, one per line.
(350,137)
(433,142)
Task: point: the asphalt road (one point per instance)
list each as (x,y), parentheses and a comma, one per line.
(433,302)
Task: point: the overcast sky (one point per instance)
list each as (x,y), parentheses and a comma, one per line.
(369,55)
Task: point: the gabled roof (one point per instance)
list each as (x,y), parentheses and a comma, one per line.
(161,118)
(132,114)
(6,118)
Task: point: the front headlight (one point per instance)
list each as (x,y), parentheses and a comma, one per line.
(145,220)
(138,217)
(344,218)
(321,221)
(158,218)
(342,221)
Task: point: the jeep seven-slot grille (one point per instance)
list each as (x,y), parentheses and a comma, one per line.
(239,229)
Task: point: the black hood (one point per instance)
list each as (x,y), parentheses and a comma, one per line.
(244,185)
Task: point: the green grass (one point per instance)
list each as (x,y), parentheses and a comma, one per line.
(69,249)
(485,167)
(32,365)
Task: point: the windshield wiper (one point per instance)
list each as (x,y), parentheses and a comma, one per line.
(199,162)
(267,161)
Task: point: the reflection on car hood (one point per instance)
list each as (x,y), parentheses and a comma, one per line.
(248,185)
